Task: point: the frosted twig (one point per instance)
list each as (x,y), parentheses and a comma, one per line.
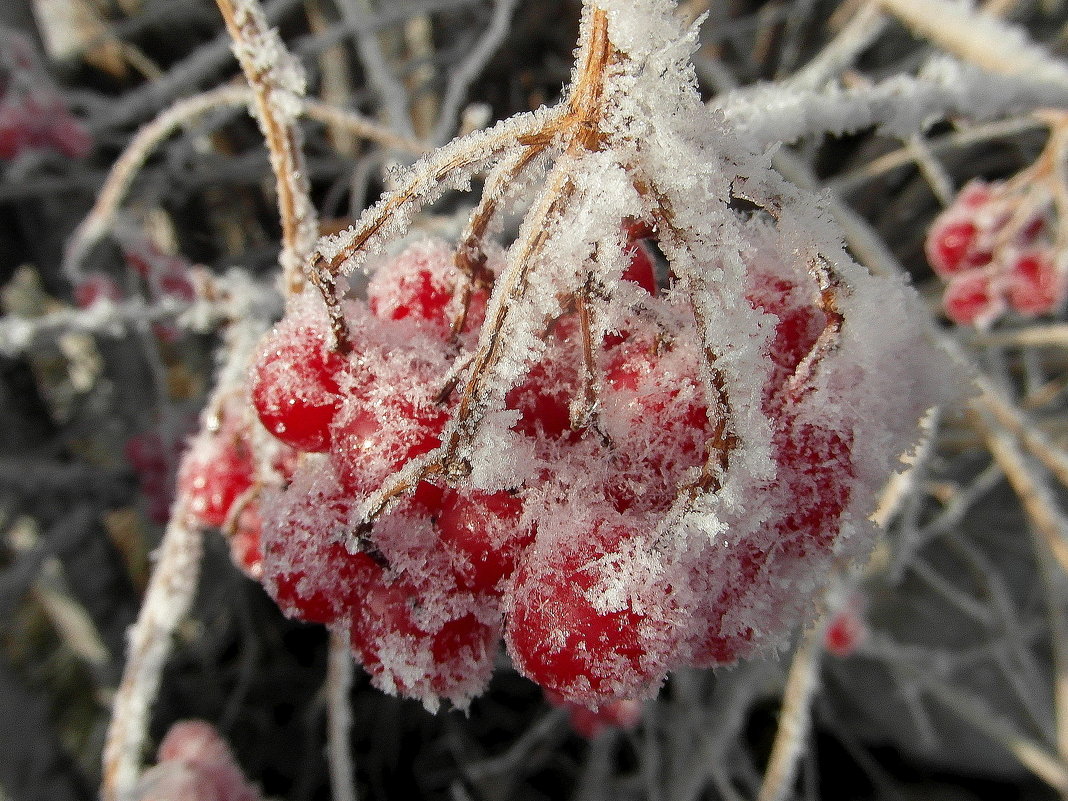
(848,181)
(795,717)
(899,106)
(1052,335)
(339,670)
(361,126)
(101,217)
(858,34)
(423,183)
(460,79)
(277,82)
(379,75)
(1032,755)
(183,77)
(167,600)
(936,176)
(229,297)
(1051,550)
(977,37)
(1015,423)
(1034,495)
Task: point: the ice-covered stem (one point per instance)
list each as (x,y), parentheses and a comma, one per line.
(795,717)
(167,600)
(277,83)
(899,106)
(101,217)
(470,256)
(339,670)
(576,131)
(100,220)
(1049,545)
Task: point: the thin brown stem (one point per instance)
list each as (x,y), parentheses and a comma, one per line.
(248,29)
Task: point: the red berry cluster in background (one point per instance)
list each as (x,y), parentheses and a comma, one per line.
(567,557)
(994,248)
(33,116)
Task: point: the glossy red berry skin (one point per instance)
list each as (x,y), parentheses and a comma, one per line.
(561,640)
(481,531)
(215,473)
(295,388)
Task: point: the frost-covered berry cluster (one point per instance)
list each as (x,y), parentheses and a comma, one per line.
(569,559)
(998,249)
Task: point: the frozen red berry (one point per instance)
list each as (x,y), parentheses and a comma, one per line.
(295,388)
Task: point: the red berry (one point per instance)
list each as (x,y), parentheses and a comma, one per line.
(1035,285)
(94,288)
(591,722)
(845,632)
(214,473)
(641,269)
(418,285)
(558,636)
(971,299)
(245,549)
(295,387)
(949,246)
(415,647)
(482,530)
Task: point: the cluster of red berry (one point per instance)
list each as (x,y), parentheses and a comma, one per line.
(569,557)
(993,247)
(32,114)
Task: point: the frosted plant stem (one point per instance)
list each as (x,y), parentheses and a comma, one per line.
(1053,335)
(1013,420)
(979,38)
(101,217)
(1051,552)
(339,672)
(1032,755)
(795,717)
(864,28)
(868,246)
(277,84)
(379,75)
(167,600)
(935,174)
(848,181)
(361,126)
(463,76)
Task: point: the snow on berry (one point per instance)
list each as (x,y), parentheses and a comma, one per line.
(295,387)
(624,476)
(974,298)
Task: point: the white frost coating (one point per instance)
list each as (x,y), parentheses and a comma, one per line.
(900,106)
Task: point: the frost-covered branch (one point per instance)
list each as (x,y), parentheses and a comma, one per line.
(277,82)
(899,106)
